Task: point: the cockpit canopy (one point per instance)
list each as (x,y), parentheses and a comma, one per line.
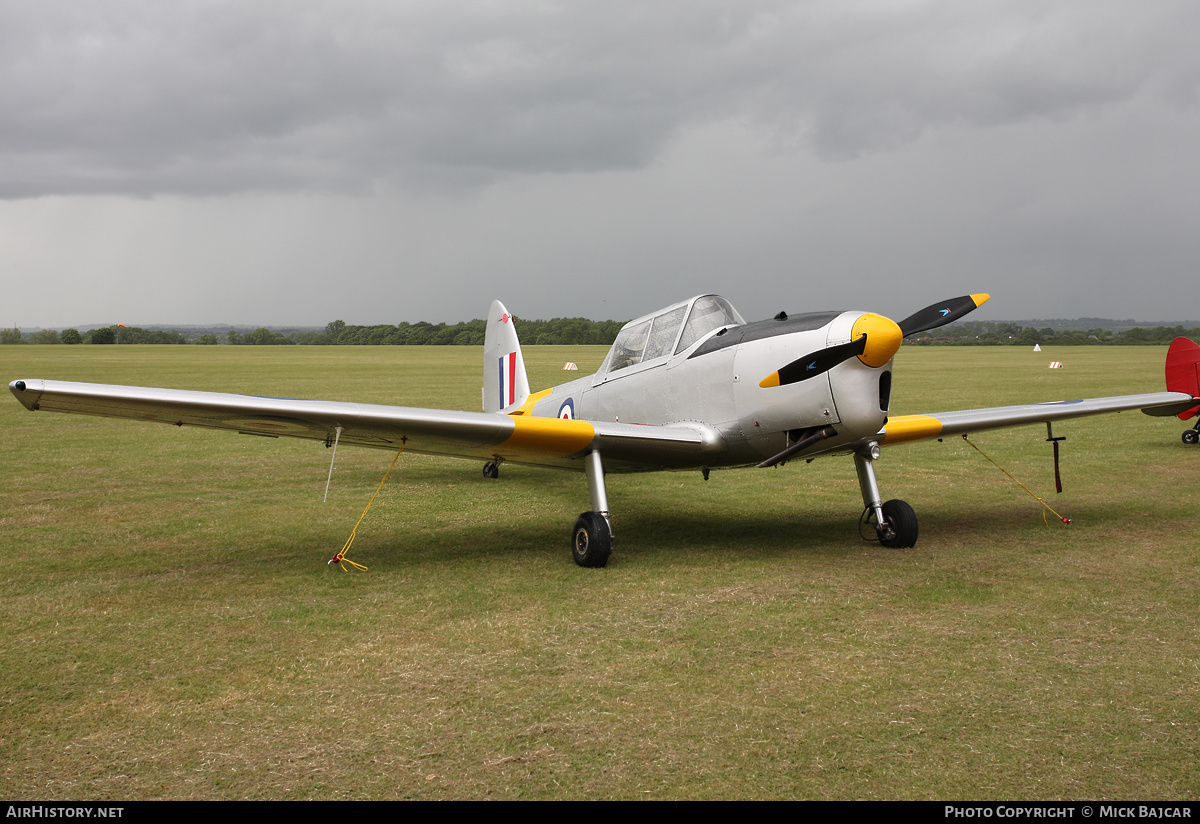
(666,332)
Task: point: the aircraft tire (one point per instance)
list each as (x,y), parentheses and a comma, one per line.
(1191,436)
(591,540)
(491,470)
(903,521)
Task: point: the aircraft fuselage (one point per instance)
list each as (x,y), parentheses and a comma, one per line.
(714,383)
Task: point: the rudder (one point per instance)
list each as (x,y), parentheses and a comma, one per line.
(1183,371)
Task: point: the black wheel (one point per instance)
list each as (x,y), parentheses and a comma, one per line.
(591,540)
(901,525)
(491,470)
(1191,436)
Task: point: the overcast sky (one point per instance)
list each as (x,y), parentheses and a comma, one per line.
(289,163)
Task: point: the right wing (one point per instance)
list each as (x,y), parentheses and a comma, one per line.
(479,435)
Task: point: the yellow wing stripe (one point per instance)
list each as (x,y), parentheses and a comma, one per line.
(530,402)
(910,428)
(549,436)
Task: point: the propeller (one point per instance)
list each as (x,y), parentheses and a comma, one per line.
(874,339)
(939,314)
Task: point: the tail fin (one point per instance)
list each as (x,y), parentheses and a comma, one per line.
(1183,371)
(505,386)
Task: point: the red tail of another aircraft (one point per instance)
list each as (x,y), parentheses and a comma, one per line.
(1183,371)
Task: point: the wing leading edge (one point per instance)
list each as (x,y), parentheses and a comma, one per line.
(478,435)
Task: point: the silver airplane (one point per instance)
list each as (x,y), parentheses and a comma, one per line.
(691,386)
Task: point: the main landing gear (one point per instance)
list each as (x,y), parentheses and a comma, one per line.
(1192,436)
(894,521)
(591,539)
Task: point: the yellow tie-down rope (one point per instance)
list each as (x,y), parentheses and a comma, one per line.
(340,559)
(1018,483)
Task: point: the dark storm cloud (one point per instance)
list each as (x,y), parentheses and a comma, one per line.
(156,98)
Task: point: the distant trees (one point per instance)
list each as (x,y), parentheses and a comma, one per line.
(135,334)
(1029,337)
(263,336)
(132,334)
(983,333)
(572,332)
(562,331)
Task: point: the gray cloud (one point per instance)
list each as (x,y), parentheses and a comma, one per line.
(146,98)
(293,162)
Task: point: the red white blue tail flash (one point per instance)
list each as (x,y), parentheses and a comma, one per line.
(508,380)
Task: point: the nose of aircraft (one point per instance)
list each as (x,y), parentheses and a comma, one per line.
(883,338)
(874,339)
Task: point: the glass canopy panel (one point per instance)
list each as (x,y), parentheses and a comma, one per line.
(708,313)
(628,348)
(663,332)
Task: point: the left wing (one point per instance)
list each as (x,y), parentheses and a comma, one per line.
(905,428)
(480,435)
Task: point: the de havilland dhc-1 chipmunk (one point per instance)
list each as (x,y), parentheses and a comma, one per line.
(691,386)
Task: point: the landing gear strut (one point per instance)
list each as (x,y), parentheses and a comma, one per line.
(895,521)
(591,539)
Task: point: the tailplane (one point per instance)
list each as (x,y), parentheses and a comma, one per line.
(505,386)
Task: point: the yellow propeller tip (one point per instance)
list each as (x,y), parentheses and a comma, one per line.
(980,299)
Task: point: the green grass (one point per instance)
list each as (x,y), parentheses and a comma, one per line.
(173,630)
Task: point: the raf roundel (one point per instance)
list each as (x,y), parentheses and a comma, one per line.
(567,410)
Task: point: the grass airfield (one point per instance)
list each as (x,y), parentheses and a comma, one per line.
(172,629)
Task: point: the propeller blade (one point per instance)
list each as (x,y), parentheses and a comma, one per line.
(939,314)
(815,363)
(874,339)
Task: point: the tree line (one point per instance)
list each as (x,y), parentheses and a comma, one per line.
(568,332)
(560,331)
(1002,333)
